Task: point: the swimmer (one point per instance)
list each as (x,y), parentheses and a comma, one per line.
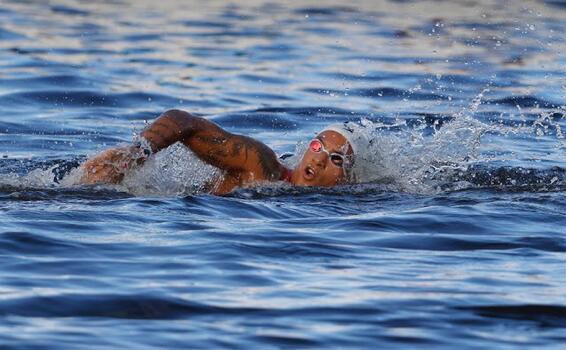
(329,160)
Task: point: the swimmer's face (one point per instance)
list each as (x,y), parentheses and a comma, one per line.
(324,162)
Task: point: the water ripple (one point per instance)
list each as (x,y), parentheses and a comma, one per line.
(454,241)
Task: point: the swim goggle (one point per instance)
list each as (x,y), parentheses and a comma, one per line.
(337,159)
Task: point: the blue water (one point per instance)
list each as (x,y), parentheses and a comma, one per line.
(458,240)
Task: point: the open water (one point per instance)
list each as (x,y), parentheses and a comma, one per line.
(455,240)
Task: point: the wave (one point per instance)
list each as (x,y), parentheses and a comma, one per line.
(524,101)
(51,81)
(543,315)
(382,92)
(109,306)
(80,99)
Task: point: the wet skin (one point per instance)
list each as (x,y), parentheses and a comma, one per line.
(245,161)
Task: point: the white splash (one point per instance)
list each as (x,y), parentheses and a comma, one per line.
(174,171)
(37,178)
(404,158)
(410,160)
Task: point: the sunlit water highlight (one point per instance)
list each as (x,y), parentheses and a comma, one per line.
(454,237)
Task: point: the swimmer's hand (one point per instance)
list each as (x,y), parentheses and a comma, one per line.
(111,165)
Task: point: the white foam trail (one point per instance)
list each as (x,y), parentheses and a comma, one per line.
(37,178)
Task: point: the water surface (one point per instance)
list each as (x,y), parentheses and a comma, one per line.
(456,239)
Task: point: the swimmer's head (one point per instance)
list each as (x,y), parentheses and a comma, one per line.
(330,158)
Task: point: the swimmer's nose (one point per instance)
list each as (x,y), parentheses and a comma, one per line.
(320,159)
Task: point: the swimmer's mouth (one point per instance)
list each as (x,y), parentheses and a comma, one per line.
(309,173)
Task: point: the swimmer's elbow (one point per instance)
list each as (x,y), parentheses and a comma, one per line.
(187,124)
(183,120)
(172,126)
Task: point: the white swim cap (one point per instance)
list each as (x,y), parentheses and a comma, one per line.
(359,136)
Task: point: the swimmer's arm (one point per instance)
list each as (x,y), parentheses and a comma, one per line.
(236,154)
(216,146)
(110,166)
